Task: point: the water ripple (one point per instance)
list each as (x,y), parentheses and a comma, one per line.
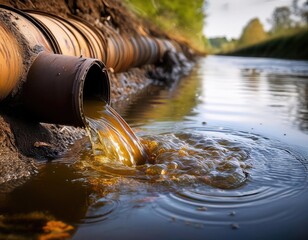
(276,176)
(225,176)
(100,211)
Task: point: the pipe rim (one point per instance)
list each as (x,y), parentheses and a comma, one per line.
(88,67)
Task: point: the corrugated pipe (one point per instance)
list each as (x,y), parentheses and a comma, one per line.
(55,85)
(75,36)
(71,65)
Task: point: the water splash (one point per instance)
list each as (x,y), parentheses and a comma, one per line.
(276,180)
(196,158)
(181,158)
(111,137)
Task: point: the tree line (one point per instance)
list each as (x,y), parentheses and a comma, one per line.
(285,21)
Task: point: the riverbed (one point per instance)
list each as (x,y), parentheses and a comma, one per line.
(230,150)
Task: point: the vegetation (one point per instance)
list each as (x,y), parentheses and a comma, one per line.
(252,34)
(289,47)
(218,42)
(281,20)
(285,39)
(221,44)
(182,19)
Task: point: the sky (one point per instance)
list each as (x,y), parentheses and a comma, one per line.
(229,17)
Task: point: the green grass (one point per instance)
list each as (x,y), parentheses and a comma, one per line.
(287,47)
(182,20)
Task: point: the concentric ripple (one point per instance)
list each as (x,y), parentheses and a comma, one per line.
(211,176)
(275,177)
(100,211)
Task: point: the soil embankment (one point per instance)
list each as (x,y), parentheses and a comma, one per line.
(25,143)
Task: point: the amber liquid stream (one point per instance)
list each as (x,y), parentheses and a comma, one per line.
(111,137)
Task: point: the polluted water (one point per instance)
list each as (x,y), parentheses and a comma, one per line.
(219,156)
(111,137)
(169,158)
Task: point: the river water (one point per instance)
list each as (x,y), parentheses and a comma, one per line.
(228,159)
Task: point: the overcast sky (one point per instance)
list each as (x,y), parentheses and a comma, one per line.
(228,17)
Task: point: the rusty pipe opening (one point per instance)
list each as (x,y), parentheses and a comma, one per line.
(57,85)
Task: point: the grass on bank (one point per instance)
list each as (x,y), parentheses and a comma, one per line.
(181,20)
(288,47)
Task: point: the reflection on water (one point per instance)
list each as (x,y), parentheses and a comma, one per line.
(289,93)
(163,104)
(228,160)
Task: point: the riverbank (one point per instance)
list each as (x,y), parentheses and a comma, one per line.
(26,144)
(286,47)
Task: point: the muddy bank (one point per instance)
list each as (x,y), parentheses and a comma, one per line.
(24,143)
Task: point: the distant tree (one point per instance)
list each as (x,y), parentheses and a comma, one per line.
(281,19)
(253,33)
(217,42)
(301,11)
(206,42)
(304,12)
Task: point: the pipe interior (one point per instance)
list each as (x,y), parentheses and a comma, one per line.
(96,84)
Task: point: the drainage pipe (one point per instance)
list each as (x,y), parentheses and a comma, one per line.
(57,85)
(74,36)
(120,52)
(20,34)
(53,89)
(10,62)
(50,86)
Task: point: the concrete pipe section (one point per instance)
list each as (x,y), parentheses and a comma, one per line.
(70,65)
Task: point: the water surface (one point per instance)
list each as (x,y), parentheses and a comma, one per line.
(228,160)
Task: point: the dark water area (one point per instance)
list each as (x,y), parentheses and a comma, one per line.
(228,159)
